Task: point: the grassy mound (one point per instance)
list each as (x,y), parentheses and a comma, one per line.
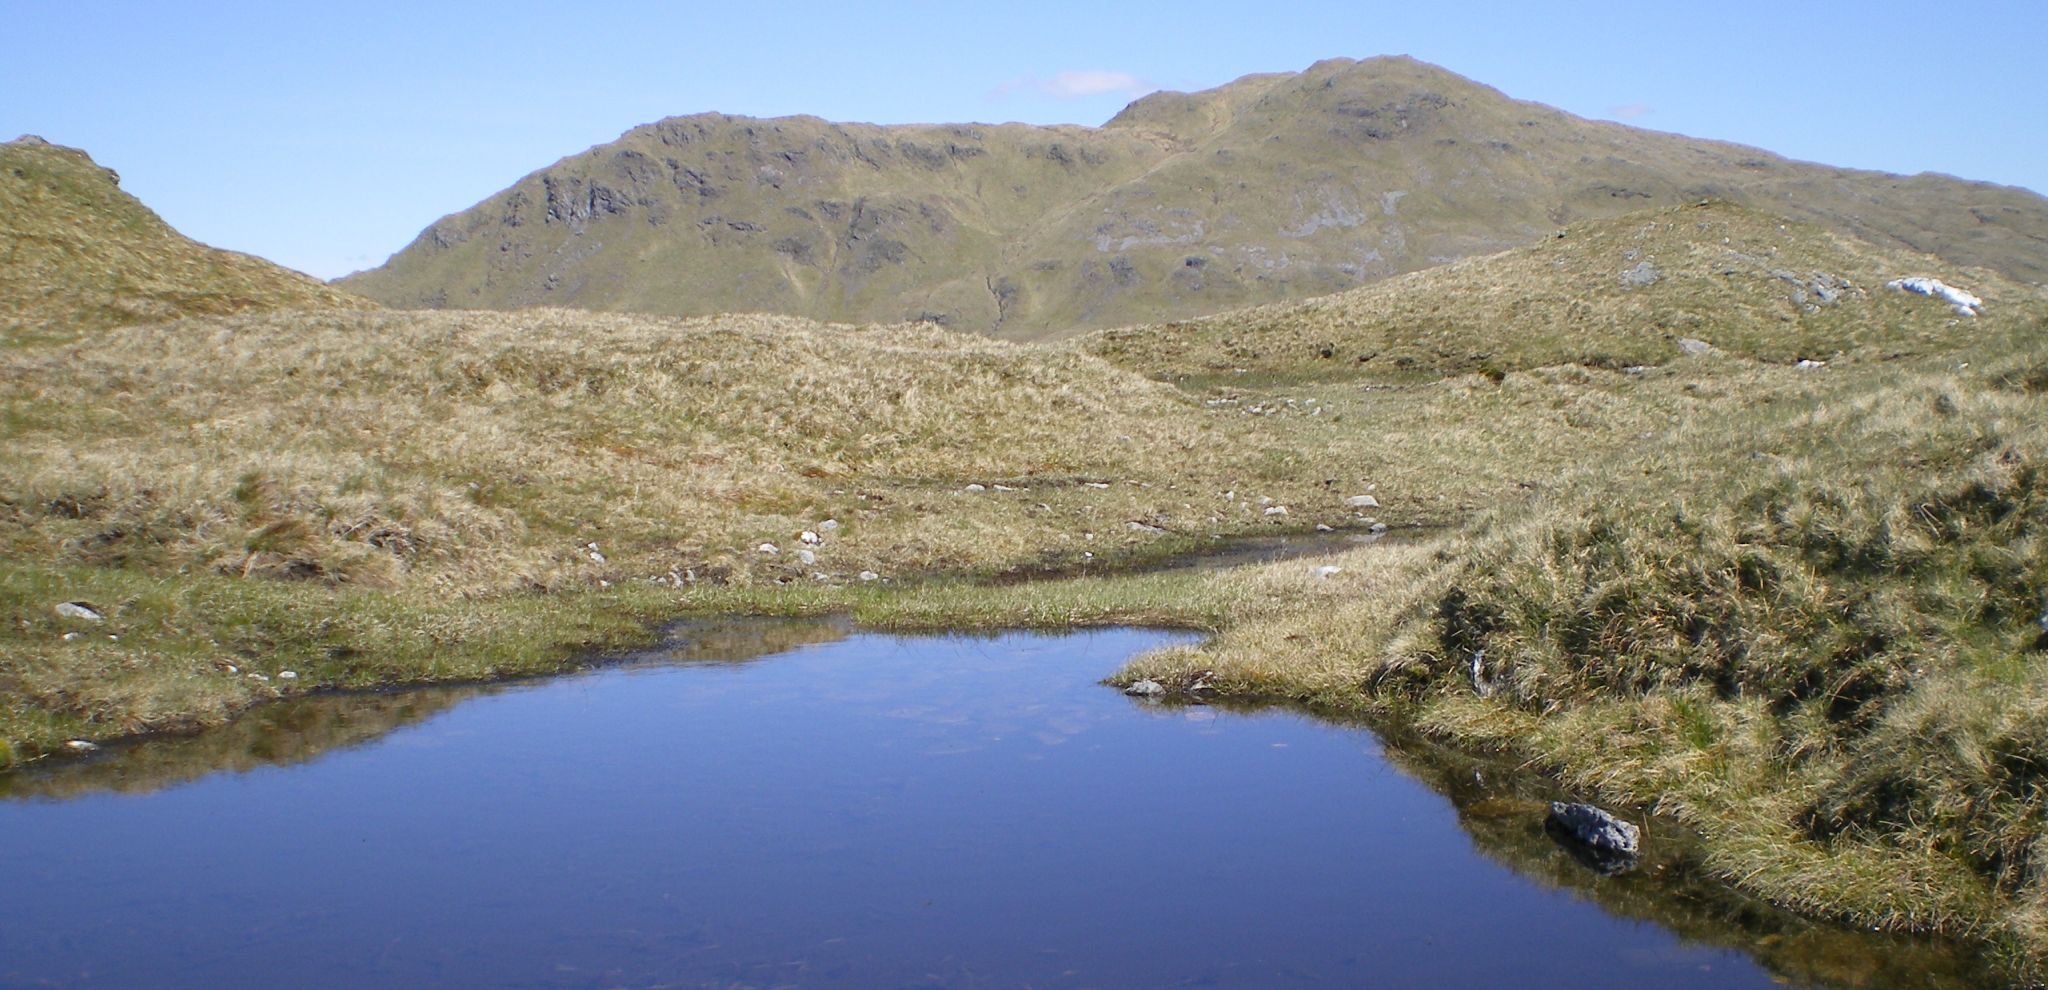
(77,255)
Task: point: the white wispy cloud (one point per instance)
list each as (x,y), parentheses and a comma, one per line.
(1079,84)
(1630,111)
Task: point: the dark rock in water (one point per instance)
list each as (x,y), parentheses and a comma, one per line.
(1605,862)
(1602,842)
(1146,689)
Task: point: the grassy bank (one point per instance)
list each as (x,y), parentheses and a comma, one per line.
(1818,641)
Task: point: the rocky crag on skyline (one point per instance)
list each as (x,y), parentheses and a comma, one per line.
(1272,188)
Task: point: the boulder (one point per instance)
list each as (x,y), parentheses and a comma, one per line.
(1595,827)
(79,610)
(1362,502)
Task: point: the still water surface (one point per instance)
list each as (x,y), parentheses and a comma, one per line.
(871,811)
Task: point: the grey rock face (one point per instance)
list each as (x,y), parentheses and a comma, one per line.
(1643,274)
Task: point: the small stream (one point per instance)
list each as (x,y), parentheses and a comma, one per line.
(785,804)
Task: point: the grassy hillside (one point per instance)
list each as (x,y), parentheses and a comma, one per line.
(77,255)
(1644,290)
(1274,188)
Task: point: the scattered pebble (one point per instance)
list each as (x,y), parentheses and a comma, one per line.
(1362,502)
(869,576)
(977,488)
(810,539)
(806,558)
(828,525)
(1096,484)
(1277,510)
(768,548)
(1323,528)
(1328,571)
(1809,364)
(287,675)
(254,676)
(70,636)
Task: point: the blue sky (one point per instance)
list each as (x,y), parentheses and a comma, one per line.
(326,137)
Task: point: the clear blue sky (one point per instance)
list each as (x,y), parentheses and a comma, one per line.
(326,137)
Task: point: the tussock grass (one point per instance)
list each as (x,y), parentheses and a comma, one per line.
(347,495)
(1808,627)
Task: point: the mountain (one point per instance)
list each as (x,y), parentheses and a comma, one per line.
(1642,289)
(1271,188)
(79,254)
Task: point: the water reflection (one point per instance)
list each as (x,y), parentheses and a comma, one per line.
(1503,808)
(305,728)
(865,810)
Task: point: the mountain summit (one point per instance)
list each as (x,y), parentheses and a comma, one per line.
(1270,188)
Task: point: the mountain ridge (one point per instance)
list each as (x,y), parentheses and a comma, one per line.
(1274,187)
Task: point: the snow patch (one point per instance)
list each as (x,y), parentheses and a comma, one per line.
(1964,302)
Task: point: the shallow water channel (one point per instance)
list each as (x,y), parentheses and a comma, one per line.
(770,804)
